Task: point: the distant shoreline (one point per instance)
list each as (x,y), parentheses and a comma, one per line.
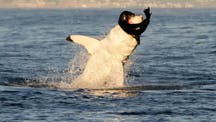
(104,8)
(132,8)
(78,4)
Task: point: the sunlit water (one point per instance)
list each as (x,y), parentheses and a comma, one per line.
(173,70)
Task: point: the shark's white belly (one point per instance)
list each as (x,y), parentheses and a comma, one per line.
(104,68)
(101,71)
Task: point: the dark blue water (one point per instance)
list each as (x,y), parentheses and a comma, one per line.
(175,64)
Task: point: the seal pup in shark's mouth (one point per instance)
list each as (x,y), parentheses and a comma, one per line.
(104,68)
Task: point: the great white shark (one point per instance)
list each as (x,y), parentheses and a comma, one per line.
(104,68)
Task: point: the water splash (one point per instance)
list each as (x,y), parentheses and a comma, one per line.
(76,66)
(57,78)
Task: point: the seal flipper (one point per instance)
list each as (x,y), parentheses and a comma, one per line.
(89,43)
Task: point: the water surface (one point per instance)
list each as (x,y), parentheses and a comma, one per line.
(174,67)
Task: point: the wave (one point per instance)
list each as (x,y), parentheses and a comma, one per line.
(134,113)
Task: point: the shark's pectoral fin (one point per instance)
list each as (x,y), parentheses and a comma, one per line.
(89,43)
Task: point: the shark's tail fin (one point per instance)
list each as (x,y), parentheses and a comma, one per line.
(89,43)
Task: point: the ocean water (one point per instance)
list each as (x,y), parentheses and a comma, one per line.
(172,71)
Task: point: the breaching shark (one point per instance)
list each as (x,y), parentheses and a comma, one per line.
(104,68)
